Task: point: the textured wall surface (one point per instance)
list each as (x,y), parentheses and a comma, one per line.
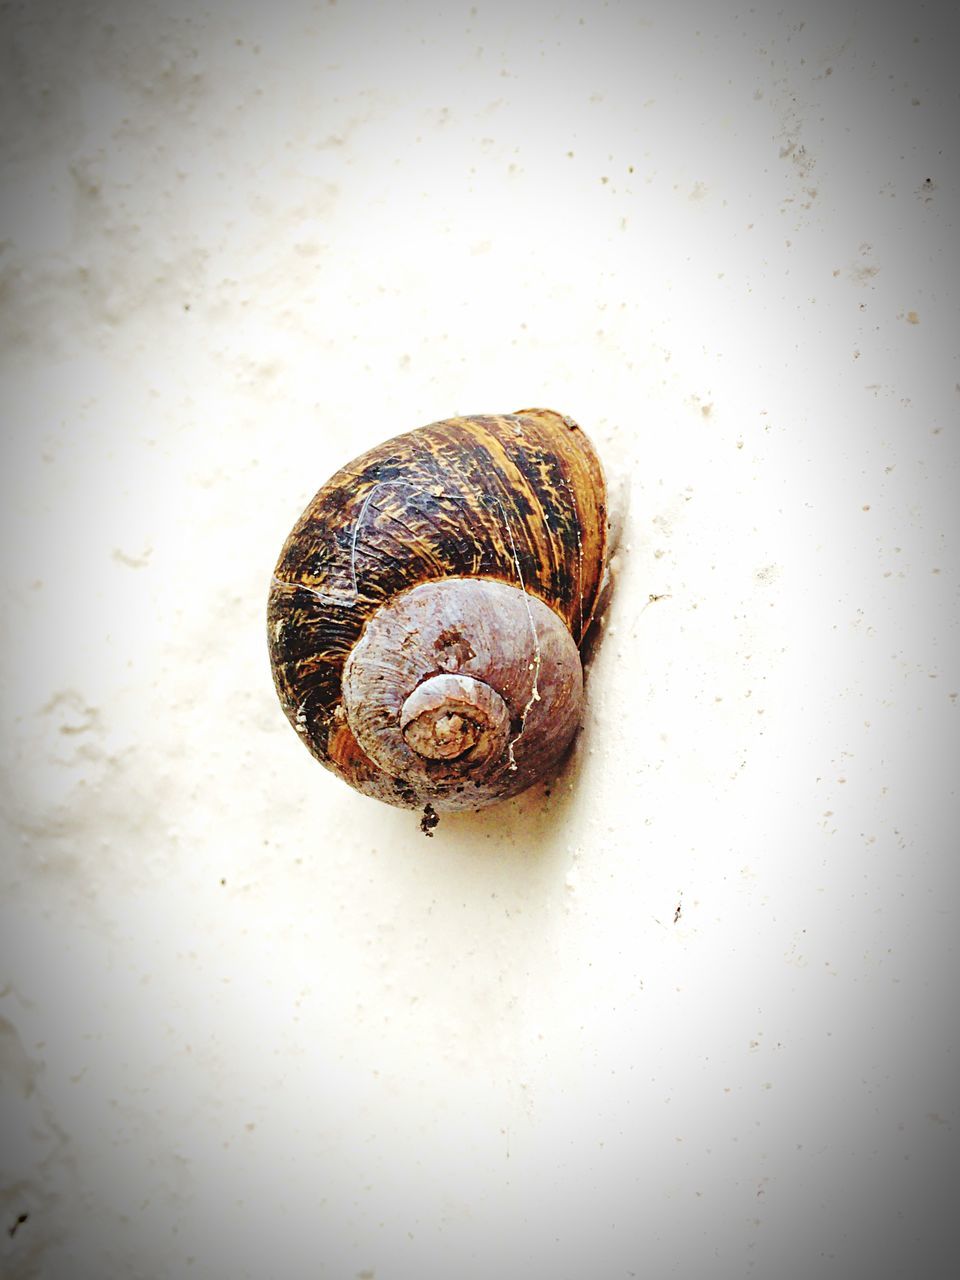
(694,1011)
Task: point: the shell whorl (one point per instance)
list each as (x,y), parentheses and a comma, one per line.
(452,717)
(517,500)
(492,666)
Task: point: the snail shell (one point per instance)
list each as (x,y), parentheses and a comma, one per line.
(427,609)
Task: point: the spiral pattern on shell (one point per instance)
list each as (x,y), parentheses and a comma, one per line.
(426,610)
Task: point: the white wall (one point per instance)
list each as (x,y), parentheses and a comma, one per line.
(692,1014)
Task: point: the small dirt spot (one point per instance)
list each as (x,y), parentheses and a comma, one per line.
(20,1220)
(429,820)
(452,650)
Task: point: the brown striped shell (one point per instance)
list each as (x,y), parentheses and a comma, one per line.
(427,609)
